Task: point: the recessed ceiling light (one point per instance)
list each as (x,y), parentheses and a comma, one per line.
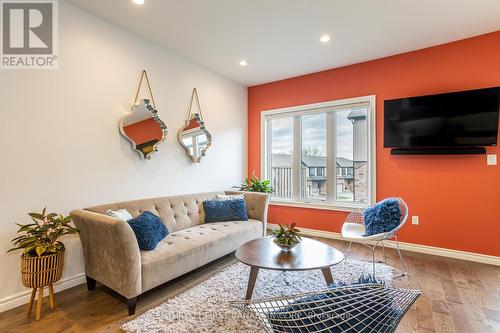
(138,2)
(243,63)
(324,39)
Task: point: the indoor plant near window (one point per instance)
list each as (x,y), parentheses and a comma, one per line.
(286,237)
(254,184)
(42,259)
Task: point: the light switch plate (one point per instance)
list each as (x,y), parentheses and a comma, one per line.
(491,159)
(414,220)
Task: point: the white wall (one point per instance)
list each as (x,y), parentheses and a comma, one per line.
(60,141)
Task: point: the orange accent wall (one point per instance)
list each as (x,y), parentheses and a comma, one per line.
(456,197)
(144,131)
(192,124)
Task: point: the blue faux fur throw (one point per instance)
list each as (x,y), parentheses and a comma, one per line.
(383,217)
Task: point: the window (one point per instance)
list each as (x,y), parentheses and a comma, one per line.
(281,147)
(321,154)
(313,156)
(194,139)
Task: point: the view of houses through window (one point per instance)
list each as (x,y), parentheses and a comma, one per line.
(347,130)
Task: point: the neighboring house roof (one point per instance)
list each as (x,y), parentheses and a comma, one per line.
(281,161)
(344,162)
(357,114)
(285,161)
(314,161)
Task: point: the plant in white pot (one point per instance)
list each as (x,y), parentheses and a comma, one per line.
(42,259)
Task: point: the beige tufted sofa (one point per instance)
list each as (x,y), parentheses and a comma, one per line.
(113,257)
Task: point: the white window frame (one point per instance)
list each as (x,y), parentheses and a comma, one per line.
(310,109)
(195,146)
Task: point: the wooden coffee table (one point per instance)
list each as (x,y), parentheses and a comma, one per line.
(308,255)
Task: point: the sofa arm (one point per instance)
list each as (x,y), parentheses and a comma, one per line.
(110,250)
(257,206)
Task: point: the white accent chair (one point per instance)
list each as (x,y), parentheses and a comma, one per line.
(353,230)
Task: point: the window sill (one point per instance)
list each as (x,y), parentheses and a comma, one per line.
(319,205)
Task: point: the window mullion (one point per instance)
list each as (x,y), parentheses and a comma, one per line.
(268,156)
(331,175)
(195,147)
(297,158)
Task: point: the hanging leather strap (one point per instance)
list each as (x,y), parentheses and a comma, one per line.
(144,75)
(193,96)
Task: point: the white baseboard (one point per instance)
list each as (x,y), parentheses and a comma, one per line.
(23,297)
(437,251)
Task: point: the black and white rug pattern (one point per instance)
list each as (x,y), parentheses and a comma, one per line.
(206,307)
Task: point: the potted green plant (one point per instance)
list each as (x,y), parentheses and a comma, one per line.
(42,257)
(286,236)
(254,184)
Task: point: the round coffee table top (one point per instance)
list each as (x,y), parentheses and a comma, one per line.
(307,255)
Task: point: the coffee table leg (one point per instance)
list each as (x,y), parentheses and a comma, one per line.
(251,282)
(327,273)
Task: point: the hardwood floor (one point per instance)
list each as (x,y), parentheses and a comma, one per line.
(458,296)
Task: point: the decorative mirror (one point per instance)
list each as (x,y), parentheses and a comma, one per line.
(142,127)
(194,137)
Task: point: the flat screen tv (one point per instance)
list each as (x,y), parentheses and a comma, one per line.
(458,119)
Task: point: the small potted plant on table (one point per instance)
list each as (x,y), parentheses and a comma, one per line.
(286,237)
(42,259)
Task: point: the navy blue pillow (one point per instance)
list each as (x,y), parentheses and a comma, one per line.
(148,229)
(383,217)
(225,210)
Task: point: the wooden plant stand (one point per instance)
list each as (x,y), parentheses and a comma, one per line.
(40,300)
(41,272)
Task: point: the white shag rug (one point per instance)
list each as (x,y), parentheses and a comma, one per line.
(205,308)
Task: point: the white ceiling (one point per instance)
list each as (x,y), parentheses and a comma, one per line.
(280,38)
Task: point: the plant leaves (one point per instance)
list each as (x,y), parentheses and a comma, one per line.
(42,235)
(14,249)
(36,216)
(40,250)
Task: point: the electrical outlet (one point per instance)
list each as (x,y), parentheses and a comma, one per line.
(414,220)
(491,159)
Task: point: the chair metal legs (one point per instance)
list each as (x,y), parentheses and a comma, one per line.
(373,248)
(373,260)
(348,249)
(403,264)
(383,252)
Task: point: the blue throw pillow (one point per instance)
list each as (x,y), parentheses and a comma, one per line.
(225,210)
(383,217)
(148,229)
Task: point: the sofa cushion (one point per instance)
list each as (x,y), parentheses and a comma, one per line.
(177,212)
(148,229)
(185,250)
(225,210)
